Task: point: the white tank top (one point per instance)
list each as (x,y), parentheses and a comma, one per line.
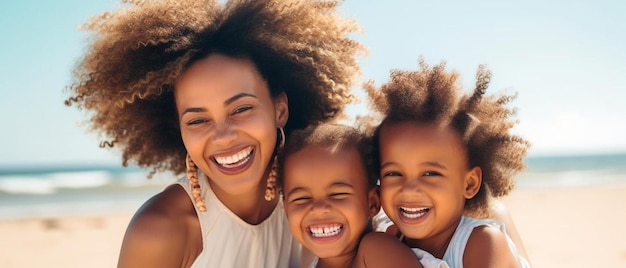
(228,241)
(456,248)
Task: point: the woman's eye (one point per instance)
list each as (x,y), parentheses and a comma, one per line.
(197,122)
(241,109)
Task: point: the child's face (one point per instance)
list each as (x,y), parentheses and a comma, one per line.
(327,199)
(425,178)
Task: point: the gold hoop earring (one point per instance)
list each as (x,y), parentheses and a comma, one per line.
(281,137)
(196,191)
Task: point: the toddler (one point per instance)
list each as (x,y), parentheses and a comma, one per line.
(442,156)
(330,197)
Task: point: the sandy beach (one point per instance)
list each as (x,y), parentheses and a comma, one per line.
(572,227)
(561,227)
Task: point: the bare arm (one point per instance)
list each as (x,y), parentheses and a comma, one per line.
(487,247)
(383,250)
(161,234)
(500,213)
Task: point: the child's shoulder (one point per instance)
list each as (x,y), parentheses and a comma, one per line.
(488,244)
(378,249)
(372,239)
(483,236)
(480,234)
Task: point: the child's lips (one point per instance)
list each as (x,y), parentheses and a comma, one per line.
(412,215)
(325,230)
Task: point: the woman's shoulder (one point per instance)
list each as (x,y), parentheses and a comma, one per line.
(169,209)
(164,230)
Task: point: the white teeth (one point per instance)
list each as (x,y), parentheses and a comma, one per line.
(326,230)
(232,161)
(412,209)
(413,213)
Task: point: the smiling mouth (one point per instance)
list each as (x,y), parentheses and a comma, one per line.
(414,213)
(236,159)
(328,230)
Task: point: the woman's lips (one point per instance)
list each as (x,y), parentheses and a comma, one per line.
(236,162)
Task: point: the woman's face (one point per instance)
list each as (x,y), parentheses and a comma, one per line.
(328,200)
(228,122)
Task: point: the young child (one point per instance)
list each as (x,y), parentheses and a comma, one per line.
(442,156)
(330,197)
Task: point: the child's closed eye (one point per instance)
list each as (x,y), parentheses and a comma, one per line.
(391,174)
(300,199)
(339,195)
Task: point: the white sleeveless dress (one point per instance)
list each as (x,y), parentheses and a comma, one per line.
(228,241)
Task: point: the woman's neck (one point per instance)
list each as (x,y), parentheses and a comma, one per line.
(250,206)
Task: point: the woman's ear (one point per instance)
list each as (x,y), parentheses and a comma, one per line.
(473,179)
(373,198)
(281,104)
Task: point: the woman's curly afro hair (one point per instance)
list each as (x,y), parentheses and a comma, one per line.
(135,55)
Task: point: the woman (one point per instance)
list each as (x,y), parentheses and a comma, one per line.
(193,86)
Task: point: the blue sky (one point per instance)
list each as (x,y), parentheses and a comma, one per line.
(565,58)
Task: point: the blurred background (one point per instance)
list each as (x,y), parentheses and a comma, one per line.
(566,59)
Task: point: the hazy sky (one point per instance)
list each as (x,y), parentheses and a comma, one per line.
(567,60)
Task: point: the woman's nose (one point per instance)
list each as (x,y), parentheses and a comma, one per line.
(223,134)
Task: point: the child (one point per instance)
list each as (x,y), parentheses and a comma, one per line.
(330,197)
(443,155)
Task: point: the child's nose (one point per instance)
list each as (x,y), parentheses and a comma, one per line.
(320,206)
(411,185)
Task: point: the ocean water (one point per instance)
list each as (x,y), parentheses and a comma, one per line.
(573,171)
(53,191)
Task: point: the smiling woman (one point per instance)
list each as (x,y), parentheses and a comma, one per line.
(226,132)
(191,86)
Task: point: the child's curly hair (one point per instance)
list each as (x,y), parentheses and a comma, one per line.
(135,55)
(336,137)
(433,95)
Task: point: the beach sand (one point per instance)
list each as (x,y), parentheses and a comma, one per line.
(572,227)
(561,227)
(70,241)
